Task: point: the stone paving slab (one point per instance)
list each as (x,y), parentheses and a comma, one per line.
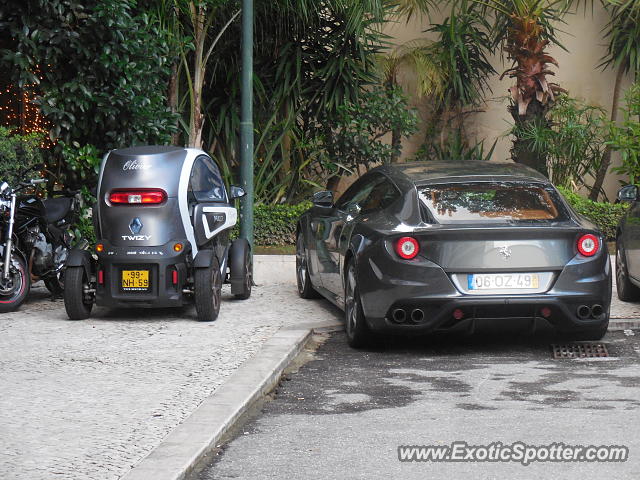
(90,399)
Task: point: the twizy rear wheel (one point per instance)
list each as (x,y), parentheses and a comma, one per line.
(207,291)
(14,288)
(77,300)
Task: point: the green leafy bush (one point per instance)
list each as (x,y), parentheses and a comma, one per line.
(275,225)
(605,215)
(624,137)
(17,153)
(101,67)
(357,129)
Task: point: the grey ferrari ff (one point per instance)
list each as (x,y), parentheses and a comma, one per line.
(421,247)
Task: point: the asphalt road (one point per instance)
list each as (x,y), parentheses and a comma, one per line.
(345,412)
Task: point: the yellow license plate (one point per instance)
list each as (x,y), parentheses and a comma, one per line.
(135,279)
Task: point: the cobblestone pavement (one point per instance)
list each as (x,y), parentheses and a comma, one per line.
(89,399)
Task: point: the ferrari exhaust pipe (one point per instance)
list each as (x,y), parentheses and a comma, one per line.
(417,315)
(399,315)
(597,310)
(583,312)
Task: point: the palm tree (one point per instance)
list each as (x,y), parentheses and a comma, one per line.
(525,28)
(623,54)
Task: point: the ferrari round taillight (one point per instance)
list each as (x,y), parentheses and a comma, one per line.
(588,245)
(407,247)
(142,196)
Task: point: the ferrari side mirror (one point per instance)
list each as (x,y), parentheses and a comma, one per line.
(628,193)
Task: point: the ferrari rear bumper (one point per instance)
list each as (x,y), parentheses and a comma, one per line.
(416,297)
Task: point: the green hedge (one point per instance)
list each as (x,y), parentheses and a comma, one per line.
(605,215)
(275,225)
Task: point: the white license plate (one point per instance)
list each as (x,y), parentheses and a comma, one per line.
(500,281)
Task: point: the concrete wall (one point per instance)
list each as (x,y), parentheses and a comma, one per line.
(578,73)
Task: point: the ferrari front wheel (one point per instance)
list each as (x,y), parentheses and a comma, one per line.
(303,280)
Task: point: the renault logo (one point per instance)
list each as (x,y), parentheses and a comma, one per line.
(135,226)
(505,252)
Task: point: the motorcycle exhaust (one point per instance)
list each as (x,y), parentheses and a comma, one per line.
(583,312)
(399,315)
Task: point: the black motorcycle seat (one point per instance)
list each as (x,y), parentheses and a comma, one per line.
(56,208)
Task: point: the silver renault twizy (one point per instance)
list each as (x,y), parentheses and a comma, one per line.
(162,220)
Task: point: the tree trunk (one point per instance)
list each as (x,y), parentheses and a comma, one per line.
(172,100)
(522,151)
(606,157)
(396,144)
(196,116)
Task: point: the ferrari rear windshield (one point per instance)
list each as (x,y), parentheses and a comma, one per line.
(492,202)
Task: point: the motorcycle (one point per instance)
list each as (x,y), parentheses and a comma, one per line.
(35,243)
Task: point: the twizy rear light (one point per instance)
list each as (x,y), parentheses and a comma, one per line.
(152,196)
(588,245)
(407,248)
(101,277)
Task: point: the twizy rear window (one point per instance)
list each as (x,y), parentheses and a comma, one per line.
(492,202)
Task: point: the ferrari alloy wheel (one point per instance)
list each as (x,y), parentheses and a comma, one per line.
(358,333)
(207,291)
(627,291)
(305,287)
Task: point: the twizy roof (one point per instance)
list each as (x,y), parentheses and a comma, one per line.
(467,170)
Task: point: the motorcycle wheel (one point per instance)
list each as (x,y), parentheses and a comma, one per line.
(14,289)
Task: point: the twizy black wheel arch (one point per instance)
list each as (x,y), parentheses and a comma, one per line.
(241,269)
(207,290)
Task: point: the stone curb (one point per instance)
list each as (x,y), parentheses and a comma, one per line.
(617,324)
(202,431)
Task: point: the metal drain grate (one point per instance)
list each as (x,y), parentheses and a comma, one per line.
(580,350)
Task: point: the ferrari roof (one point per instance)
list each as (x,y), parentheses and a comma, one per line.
(466,170)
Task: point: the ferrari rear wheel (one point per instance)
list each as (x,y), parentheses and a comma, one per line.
(358,333)
(305,287)
(627,291)
(207,291)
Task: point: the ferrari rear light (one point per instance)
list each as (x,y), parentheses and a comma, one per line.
(142,196)
(588,245)
(407,247)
